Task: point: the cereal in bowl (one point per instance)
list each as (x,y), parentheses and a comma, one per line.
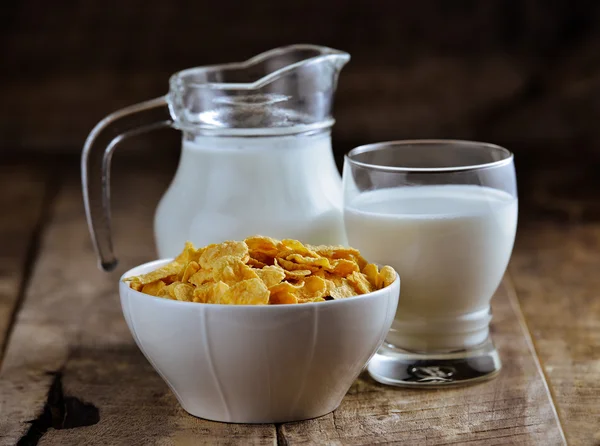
(261,270)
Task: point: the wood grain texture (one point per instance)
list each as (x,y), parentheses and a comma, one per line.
(22,192)
(556,272)
(514,408)
(71,323)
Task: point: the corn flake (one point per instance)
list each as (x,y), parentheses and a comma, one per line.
(262,270)
(168,291)
(344,267)
(201,277)
(387,275)
(247,292)
(282,297)
(190,269)
(298,274)
(311,261)
(271,275)
(230,270)
(171,269)
(153,288)
(265,245)
(213,252)
(210,293)
(360,283)
(372,275)
(294,246)
(184,292)
(345,289)
(255,263)
(189,254)
(340,252)
(135,284)
(288,265)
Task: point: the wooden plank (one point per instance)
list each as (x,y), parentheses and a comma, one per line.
(22,192)
(556,269)
(514,408)
(71,360)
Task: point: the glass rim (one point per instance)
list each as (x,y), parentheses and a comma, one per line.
(509,156)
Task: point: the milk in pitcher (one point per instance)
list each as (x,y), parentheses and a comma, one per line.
(229,188)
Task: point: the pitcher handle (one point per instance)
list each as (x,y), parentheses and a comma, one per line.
(95,167)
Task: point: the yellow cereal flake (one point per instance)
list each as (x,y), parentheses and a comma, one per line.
(184,292)
(298,274)
(344,267)
(312,288)
(170,269)
(387,275)
(265,245)
(282,297)
(190,269)
(372,275)
(210,293)
(285,287)
(288,265)
(153,288)
(330,284)
(230,270)
(201,277)
(290,246)
(262,270)
(360,283)
(189,254)
(337,280)
(340,252)
(271,275)
(246,292)
(135,284)
(306,260)
(345,289)
(255,263)
(212,253)
(168,291)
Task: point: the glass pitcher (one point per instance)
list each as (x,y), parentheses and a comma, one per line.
(256,153)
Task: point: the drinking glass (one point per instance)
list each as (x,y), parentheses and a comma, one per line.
(443,214)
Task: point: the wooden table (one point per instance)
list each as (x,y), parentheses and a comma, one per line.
(71,373)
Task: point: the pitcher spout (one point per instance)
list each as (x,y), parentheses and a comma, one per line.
(283,90)
(287,60)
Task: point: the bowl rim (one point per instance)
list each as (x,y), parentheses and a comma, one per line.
(160,262)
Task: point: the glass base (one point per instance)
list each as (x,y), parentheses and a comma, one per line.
(397,367)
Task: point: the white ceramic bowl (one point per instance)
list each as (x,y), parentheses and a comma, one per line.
(258,364)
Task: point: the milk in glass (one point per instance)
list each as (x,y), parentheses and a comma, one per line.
(450,244)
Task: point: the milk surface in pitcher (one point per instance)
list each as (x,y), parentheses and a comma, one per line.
(229,188)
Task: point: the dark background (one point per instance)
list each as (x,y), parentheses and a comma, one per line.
(524,74)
